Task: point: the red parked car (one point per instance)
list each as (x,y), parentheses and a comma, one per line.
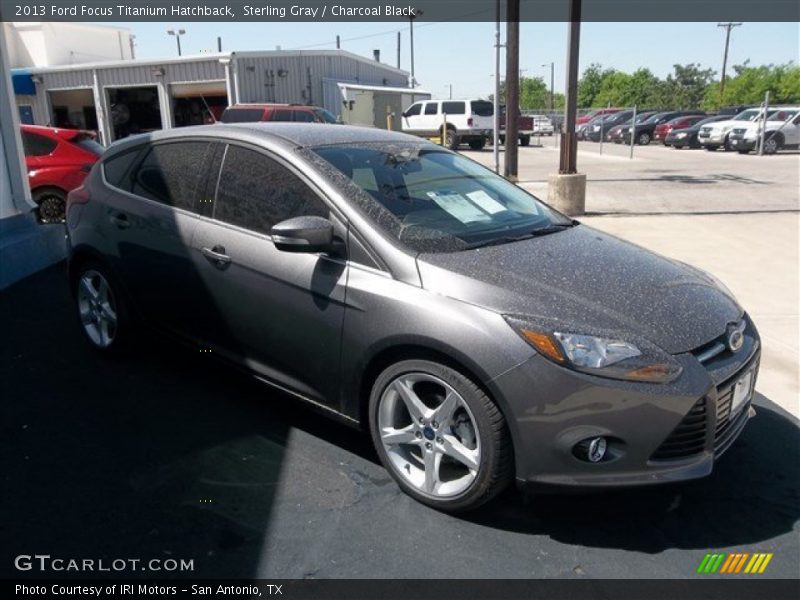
(298,113)
(58,161)
(595,113)
(684,122)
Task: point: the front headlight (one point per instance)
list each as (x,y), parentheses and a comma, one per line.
(599,355)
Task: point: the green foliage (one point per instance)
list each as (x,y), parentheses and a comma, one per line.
(688,86)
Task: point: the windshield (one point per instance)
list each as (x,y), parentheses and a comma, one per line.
(653,118)
(433,200)
(747,115)
(324,115)
(782,115)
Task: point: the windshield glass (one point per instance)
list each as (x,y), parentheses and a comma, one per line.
(433,200)
(324,115)
(782,115)
(653,118)
(747,115)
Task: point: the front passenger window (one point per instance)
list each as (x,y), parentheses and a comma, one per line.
(256,192)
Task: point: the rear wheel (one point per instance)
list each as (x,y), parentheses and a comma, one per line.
(525,140)
(439,435)
(451,139)
(643,139)
(102,311)
(477,144)
(52,204)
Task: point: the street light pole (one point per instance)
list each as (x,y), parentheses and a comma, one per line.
(177,35)
(449,86)
(552,79)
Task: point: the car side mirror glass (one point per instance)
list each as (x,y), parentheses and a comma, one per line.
(303,234)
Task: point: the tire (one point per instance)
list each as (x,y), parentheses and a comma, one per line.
(415,448)
(451,139)
(477,144)
(773,143)
(102,309)
(727,145)
(711,148)
(643,139)
(52,203)
(743,151)
(525,140)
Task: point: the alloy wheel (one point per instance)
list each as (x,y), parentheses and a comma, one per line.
(429,435)
(97,309)
(52,209)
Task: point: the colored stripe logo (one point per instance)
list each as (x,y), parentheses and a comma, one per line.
(735,563)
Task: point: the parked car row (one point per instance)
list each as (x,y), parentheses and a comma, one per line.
(695,129)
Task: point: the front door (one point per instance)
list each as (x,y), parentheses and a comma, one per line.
(278,313)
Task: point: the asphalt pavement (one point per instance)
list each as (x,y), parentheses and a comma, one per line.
(169,454)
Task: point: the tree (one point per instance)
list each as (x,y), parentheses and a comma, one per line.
(750,84)
(686,88)
(590,83)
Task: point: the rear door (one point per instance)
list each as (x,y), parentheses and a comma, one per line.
(151,214)
(279,313)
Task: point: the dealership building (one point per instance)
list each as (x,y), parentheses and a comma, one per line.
(125,97)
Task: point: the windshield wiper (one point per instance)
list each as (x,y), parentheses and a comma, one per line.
(552,228)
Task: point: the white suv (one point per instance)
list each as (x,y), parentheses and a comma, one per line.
(466,121)
(782,131)
(715,135)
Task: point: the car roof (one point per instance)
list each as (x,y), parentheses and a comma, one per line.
(289,135)
(246,105)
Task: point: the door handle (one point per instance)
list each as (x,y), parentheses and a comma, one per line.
(217,256)
(120,220)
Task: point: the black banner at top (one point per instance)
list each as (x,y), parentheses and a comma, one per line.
(388,10)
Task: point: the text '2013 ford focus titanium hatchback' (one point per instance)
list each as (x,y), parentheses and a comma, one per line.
(479,335)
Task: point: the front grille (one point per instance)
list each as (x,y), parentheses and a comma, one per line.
(739,130)
(688,438)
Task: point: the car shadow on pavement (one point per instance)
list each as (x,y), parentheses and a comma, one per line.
(171,454)
(753,495)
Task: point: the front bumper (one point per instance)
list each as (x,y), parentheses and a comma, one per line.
(739,143)
(715,138)
(551,409)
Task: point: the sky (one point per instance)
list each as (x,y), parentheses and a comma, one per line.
(462,54)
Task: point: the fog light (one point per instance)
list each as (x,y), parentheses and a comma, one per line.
(592,449)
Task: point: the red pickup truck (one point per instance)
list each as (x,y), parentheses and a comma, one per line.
(524,127)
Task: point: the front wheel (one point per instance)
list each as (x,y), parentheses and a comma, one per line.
(443,440)
(451,139)
(525,140)
(711,148)
(643,139)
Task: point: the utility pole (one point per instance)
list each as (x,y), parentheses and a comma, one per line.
(727,26)
(398,49)
(566,191)
(449,86)
(219,44)
(497,46)
(552,79)
(414,14)
(338,43)
(132,42)
(512,90)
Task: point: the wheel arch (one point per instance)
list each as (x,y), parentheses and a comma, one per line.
(48,186)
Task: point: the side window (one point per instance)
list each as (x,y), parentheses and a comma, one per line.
(281,114)
(37,145)
(431,108)
(116,169)
(170,173)
(414,110)
(256,192)
(453,108)
(303,116)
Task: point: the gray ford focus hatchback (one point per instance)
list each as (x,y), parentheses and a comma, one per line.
(477,334)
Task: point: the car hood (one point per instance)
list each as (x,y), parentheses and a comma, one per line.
(585,281)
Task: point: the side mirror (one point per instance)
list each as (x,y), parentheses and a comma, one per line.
(303,234)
